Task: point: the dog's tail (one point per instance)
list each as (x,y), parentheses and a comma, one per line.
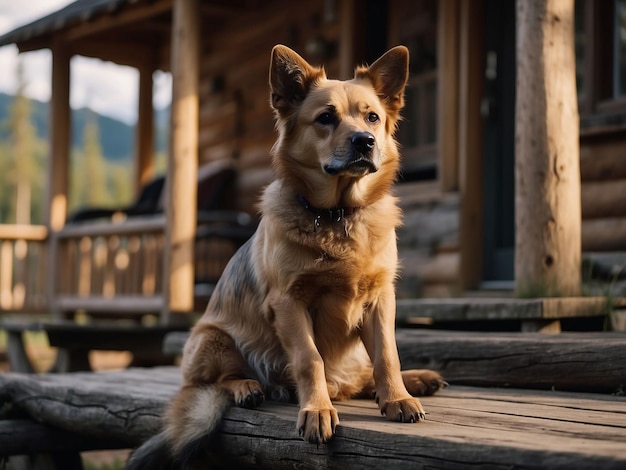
(191,420)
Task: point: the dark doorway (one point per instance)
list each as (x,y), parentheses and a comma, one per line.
(498,111)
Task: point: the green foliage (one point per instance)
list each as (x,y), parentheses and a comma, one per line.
(95,179)
(21,160)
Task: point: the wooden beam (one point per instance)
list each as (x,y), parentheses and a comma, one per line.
(60,125)
(29,233)
(183,160)
(123,52)
(126,16)
(547,167)
(144,152)
(348,42)
(471,53)
(122,304)
(448,93)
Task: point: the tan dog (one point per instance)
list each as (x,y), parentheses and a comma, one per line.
(308,303)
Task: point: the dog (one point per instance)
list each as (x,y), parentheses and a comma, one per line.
(307,305)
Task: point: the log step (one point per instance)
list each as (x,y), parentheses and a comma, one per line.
(592,362)
(568,361)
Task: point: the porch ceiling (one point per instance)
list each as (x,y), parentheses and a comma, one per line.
(127,32)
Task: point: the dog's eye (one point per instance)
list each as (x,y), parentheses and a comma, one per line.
(372,117)
(326,119)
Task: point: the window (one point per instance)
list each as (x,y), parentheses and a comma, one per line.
(415,25)
(601,61)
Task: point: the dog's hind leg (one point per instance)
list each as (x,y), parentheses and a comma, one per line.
(215,374)
(418,382)
(423,382)
(211,357)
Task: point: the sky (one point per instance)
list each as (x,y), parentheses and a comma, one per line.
(105,87)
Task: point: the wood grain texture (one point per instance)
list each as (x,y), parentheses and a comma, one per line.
(568,361)
(547,167)
(465,426)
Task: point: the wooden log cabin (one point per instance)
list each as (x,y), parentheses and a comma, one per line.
(458,137)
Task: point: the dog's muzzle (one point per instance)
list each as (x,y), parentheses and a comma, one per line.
(359,161)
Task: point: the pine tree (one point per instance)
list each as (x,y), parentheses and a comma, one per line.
(24,166)
(88,185)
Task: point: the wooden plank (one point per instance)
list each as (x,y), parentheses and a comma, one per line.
(122,304)
(23,232)
(464,427)
(130,226)
(459,309)
(467,309)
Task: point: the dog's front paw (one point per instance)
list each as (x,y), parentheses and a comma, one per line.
(423,382)
(405,410)
(317,425)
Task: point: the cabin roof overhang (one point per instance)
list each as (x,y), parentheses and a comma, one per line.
(127,32)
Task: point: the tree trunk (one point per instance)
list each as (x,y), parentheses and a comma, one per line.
(547,168)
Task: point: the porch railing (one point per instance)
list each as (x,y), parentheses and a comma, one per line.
(23,267)
(112,268)
(109,267)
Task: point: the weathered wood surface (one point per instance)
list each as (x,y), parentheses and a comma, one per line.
(568,361)
(462,309)
(465,426)
(23,437)
(547,162)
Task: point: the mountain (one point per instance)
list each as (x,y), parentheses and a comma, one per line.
(117,139)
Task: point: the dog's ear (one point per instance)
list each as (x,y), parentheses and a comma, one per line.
(388,75)
(291,77)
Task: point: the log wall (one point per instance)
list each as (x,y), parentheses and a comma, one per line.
(236,121)
(428,241)
(603,174)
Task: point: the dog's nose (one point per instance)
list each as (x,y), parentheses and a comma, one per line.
(363,142)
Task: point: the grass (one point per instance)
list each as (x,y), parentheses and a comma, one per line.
(115,464)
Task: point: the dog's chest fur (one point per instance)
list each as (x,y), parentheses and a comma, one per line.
(343,266)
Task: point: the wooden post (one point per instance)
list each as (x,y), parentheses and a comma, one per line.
(144,158)
(470,143)
(58,163)
(448,95)
(547,168)
(183,160)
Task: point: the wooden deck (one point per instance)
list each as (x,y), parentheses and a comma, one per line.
(465,426)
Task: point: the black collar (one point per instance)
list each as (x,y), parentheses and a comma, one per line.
(334,214)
